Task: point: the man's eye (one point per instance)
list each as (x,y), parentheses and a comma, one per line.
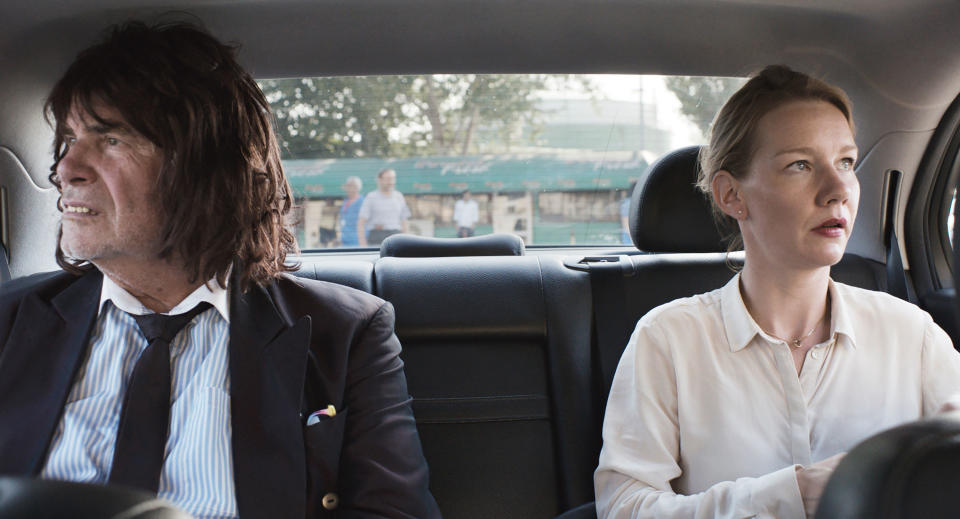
(112,141)
(847,164)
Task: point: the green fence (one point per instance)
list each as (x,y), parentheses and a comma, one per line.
(316,178)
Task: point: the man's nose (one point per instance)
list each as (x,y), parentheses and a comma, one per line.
(74,166)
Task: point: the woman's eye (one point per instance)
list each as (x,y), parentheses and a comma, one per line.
(847,164)
(112,141)
(800,165)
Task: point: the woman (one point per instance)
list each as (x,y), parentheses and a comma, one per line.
(741,401)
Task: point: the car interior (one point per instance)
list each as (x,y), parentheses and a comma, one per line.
(510,347)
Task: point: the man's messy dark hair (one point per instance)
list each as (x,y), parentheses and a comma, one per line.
(221,188)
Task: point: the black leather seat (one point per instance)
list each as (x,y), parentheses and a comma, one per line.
(907,472)
(584,511)
(23,498)
(351,273)
(667,211)
(497,358)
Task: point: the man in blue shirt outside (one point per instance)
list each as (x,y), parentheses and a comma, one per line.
(624,210)
(349,212)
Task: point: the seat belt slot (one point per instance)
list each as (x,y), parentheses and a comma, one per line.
(897,283)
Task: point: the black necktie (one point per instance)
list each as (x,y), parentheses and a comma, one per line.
(145,417)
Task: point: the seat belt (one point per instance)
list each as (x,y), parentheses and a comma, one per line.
(897,283)
(4,265)
(4,221)
(896,275)
(612,322)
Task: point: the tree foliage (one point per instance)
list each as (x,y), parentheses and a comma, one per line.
(702,97)
(397,116)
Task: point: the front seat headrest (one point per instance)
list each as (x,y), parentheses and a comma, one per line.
(905,472)
(412,246)
(26,498)
(668,213)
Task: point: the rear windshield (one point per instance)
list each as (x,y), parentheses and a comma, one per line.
(550,158)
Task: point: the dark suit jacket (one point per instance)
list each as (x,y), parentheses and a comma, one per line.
(296,346)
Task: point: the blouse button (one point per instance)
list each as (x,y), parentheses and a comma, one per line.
(816,354)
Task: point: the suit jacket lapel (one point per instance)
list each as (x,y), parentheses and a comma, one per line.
(267,365)
(43,352)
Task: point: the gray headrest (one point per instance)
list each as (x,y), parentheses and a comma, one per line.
(668,213)
(411,246)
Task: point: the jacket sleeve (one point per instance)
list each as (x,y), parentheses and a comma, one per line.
(383,472)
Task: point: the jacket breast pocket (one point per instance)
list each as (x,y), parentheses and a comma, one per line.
(324,441)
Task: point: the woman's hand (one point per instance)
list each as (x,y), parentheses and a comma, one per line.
(813,478)
(950,405)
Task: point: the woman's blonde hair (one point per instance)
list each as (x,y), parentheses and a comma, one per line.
(732,139)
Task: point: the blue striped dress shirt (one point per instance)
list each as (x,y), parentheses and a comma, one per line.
(197,471)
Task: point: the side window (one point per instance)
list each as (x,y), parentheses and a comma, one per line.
(550,158)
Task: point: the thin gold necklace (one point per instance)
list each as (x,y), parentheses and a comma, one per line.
(797,342)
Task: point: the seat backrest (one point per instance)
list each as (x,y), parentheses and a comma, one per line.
(351,273)
(497,359)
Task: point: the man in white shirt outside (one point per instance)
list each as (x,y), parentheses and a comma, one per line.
(465,214)
(384,212)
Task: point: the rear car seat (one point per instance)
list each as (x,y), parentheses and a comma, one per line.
(496,349)
(351,273)
(497,357)
(509,373)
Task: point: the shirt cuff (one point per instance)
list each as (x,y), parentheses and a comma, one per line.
(778,495)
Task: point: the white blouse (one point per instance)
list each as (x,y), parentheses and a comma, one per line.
(708,418)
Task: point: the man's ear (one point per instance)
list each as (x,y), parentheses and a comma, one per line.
(726,194)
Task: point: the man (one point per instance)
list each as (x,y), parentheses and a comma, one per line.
(284,397)
(384,212)
(624,210)
(350,211)
(465,214)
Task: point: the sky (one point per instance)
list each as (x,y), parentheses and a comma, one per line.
(653,89)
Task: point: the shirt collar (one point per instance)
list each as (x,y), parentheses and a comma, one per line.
(210,292)
(840,323)
(741,328)
(737,321)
